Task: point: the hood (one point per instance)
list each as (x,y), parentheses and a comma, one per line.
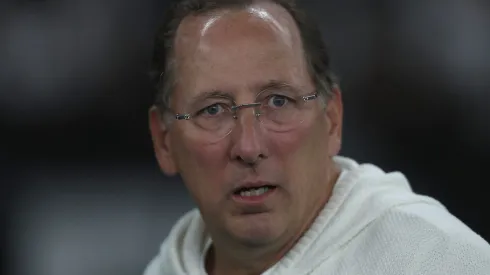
(183,249)
(362,193)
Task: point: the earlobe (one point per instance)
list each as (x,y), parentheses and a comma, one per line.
(161,142)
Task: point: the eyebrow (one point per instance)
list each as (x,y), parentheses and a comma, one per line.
(228,95)
(210,94)
(274,84)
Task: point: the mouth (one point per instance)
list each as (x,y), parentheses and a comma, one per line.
(255,193)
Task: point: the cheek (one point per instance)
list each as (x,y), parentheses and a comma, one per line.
(287,149)
(285,145)
(207,157)
(301,144)
(300,151)
(201,164)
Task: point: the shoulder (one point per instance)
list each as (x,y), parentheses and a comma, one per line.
(427,219)
(436,241)
(154,267)
(182,242)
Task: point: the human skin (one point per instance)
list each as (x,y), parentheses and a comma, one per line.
(239,52)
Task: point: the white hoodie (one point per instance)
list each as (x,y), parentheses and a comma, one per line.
(372,224)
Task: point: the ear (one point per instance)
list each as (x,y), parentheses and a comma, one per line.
(161,142)
(334,112)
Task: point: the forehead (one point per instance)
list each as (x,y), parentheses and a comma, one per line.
(238,50)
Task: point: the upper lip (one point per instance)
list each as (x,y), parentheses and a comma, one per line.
(252,184)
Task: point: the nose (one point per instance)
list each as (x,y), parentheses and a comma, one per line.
(248,139)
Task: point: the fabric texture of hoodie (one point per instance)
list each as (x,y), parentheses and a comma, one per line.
(372,224)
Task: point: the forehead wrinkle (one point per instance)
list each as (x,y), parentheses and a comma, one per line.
(198,34)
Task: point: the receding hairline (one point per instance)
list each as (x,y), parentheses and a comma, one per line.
(281,24)
(312,44)
(278,13)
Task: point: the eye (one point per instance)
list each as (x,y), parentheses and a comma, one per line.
(277,101)
(212,110)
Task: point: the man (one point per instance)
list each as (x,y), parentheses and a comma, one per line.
(249,115)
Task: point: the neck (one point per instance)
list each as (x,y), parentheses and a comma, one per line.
(223,258)
(224,262)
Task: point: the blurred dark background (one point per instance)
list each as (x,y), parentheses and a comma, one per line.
(81,190)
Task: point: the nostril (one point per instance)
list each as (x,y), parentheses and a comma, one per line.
(250,161)
(247,161)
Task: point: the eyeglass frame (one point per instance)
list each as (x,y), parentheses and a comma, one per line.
(235,108)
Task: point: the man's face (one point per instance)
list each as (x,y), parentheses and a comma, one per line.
(239,53)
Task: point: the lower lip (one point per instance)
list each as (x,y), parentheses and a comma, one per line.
(254,199)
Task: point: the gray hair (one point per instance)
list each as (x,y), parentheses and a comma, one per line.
(163,62)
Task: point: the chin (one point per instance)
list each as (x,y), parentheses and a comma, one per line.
(256,232)
(257,239)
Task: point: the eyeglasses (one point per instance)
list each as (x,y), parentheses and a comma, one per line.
(277,109)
